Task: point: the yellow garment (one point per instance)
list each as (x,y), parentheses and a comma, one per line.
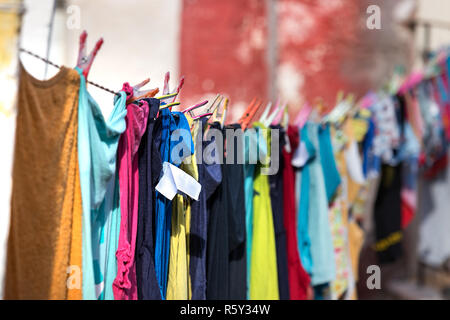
(347,235)
(193,169)
(338,214)
(178,281)
(45,194)
(356,239)
(263,265)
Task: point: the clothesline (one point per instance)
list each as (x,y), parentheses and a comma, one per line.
(59,67)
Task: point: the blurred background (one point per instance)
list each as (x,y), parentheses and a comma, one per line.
(294,50)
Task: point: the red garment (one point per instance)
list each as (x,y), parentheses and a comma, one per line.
(298,278)
(407,214)
(125,283)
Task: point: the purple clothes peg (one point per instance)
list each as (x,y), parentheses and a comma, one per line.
(84,61)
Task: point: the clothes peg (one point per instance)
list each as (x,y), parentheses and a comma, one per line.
(279,116)
(134,94)
(265,113)
(213,105)
(84,62)
(201,104)
(285,121)
(285,125)
(198,105)
(249,113)
(202,115)
(209,111)
(274,113)
(167,96)
(180,86)
(166,83)
(169,105)
(246,112)
(303,115)
(220,114)
(271,118)
(224,112)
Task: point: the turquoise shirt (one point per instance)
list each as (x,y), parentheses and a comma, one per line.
(322,250)
(302,187)
(330,172)
(97,150)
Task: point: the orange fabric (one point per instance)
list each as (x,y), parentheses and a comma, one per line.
(74,292)
(45,201)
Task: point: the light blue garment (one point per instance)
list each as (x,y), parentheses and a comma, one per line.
(322,251)
(302,187)
(97,150)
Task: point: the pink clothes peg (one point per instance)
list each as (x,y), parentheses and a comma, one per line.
(208,114)
(84,62)
(198,105)
(180,86)
(166,89)
(412,81)
(279,116)
(133,93)
(303,115)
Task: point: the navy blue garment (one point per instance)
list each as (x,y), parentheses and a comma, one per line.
(276,199)
(388,215)
(150,166)
(322,292)
(209,176)
(226,252)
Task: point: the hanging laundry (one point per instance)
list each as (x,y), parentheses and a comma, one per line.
(276,200)
(226,258)
(46,182)
(299,279)
(322,253)
(163,206)
(263,268)
(209,176)
(178,286)
(150,166)
(125,286)
(251,159)
(303,192)
(97,149)
(388,215)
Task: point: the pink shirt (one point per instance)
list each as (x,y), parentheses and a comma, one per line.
(124,286)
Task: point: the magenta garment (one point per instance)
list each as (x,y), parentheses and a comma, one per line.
(124,286)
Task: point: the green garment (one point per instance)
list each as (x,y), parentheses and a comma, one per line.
(263,264)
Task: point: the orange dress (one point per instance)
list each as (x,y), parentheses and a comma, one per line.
(45,229)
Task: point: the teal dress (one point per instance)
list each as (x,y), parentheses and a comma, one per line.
(250,139)
(319,231)
(302,189)
(97,148)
